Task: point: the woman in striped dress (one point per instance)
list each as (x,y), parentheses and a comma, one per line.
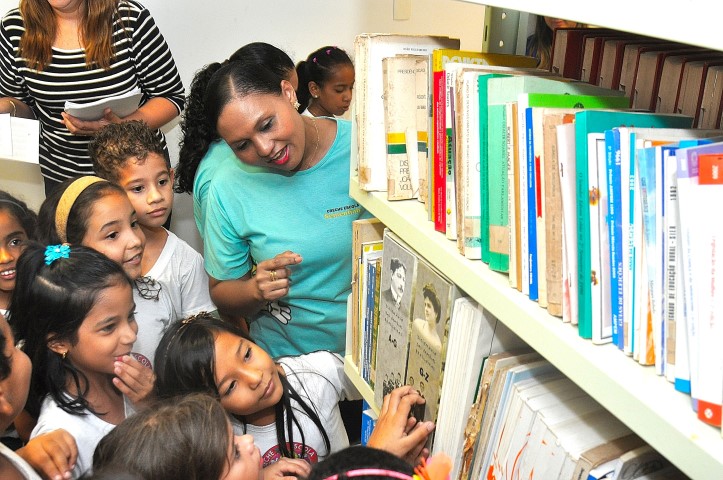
(53,51)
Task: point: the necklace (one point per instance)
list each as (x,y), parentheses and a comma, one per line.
(316,148)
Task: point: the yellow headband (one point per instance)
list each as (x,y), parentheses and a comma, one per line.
(67,200)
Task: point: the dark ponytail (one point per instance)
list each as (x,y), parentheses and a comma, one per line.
(198,133)
(318,67)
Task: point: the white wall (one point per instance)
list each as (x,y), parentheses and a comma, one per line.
(200,32)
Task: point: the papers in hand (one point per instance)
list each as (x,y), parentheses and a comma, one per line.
(122,105)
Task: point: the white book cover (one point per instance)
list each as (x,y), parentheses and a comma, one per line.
(548,391)
(566,160)
(493,459)
(19,139)
(676,342)
(368,128)
(122,105)
(492,407)
(450,74)
(541,441)
(602,329)
(700,187)
(474,335)
(469,214)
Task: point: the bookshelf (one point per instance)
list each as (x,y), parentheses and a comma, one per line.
(644,401)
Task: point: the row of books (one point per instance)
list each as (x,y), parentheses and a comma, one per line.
(501,411)
(636,65)
(542,186)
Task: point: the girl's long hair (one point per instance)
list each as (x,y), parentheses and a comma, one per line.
(50,303)
(185,363)
(96,32)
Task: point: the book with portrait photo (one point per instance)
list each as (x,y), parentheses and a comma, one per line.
(399,268)
(433,297)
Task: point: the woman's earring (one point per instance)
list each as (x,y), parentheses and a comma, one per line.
(296,105)
(62,355)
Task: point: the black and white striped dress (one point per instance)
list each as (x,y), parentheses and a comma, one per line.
(142,60)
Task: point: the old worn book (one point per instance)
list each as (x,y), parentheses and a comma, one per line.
(399,269)
(400,126)
(433,296)
(647,78)
(368,145)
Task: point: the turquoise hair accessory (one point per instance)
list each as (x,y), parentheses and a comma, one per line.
(54,252)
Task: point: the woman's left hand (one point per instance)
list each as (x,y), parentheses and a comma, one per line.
(77,126)
(134,380)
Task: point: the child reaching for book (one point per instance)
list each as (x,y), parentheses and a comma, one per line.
(76,308)
(326,81)
(17,226)
(96,213)
(290,406)
(131,155)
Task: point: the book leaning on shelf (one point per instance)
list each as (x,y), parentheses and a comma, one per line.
(401,124)
(398,276)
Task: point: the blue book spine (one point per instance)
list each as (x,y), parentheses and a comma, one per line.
(368,422)
(531,207)
(615,232)
(368,321)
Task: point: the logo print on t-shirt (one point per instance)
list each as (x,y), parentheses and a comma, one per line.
(273,454)
(280,311)
(142,359)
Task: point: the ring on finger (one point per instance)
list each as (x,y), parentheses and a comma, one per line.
(272,274)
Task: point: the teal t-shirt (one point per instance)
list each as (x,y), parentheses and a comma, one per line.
(218,158)
(257,213)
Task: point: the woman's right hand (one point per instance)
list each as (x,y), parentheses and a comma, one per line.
(287,469)
(273,277)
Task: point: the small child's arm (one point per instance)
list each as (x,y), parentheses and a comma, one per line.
(52,455)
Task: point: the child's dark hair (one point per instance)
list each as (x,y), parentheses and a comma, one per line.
(184,437)
(353,461)
(185,363)
(77,216)
(4,361)
(318,67)
(20,211)
(198,132)
(50,301)
(114,144)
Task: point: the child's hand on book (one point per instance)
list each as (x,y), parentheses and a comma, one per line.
(397,432)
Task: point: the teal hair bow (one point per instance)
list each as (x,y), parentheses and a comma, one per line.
(54,252)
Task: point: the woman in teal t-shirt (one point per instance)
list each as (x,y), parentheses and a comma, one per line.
(284,207)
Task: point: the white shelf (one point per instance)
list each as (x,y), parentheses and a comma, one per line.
(695,22)
(644,401)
